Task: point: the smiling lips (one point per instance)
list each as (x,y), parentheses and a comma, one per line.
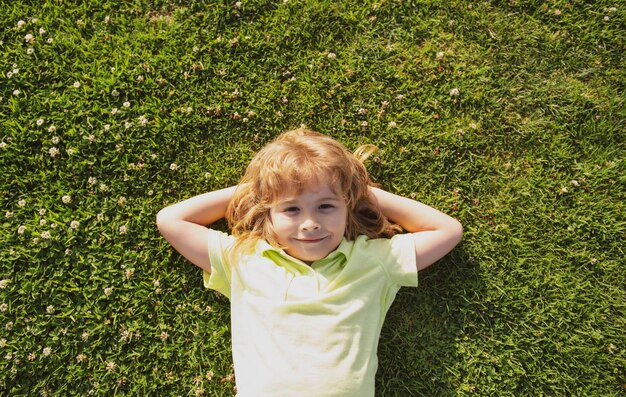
(310,240)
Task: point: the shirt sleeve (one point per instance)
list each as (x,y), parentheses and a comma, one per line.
(398,259)
(220,276)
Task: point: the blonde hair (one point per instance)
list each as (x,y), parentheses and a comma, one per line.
(287,164)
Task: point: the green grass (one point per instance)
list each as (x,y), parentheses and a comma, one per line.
(529,156)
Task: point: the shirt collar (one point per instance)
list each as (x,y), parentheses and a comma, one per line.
(343,250)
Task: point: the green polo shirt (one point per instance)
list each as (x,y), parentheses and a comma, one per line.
(309,331)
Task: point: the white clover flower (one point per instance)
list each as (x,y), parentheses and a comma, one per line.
(9,214)
(127,124)
(557,12)
(53,151)
(52,128)
(607,18)
(143,120)
(42,211)
(42,31)
(70,151)
(121,200)
(81,358)
(66,199)
(4,283)
(440,55)
(140,78)
(107,19)
(92,180)
(364,124)
(46,234)
(173,167)
(39,122)
(362,111)
(76,84)
(50,309)
(612,9)
(3,145)
(42,222)
(564,190)
(400,97)
(55,139)
(575,182)
(238,5)
(30,51)
(9,75)
(20,24)
(123,229)
(108,291)
(9,326)
(107,127)
(111,366)
(49,41)
(331,55)
(16,92)
(454,93)
(115,93)
(85,336)
(126,104)
(103,187)
(21,203)
(393,124)
(46,351)
(74,224)
(29,38)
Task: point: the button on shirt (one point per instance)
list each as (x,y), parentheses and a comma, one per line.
(309,331)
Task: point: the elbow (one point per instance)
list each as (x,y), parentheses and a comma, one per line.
(161,218)
(457,230)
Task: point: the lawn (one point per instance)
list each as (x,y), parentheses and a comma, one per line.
(508,115)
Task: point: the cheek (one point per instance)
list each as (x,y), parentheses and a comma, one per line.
(340,221)
(280,226)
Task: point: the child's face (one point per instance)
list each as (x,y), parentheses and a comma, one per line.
(311,224)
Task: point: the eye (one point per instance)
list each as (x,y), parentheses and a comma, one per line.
(291,210)
(326,206)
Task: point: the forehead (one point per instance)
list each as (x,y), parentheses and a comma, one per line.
(315,187)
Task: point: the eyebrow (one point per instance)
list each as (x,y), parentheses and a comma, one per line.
(329,198)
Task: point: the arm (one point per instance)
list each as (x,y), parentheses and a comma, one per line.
(434,233)
(183,224)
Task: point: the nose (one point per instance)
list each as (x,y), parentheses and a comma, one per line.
(310,223)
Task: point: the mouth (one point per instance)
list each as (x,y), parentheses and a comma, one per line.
(310,240)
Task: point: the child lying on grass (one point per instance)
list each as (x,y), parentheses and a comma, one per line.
(312,265)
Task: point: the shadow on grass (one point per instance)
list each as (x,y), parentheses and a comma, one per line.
(418,354)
